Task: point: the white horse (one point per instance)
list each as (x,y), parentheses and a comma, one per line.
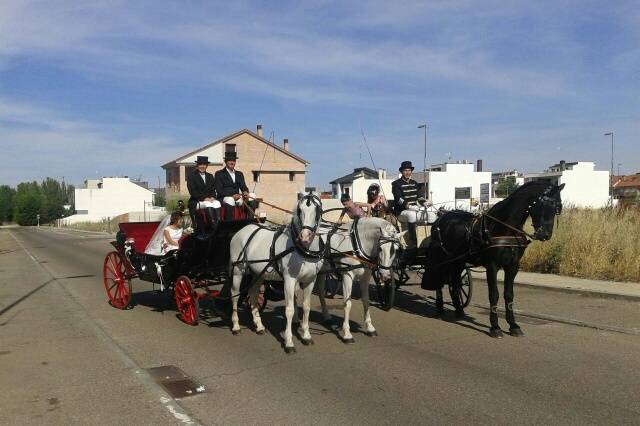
(370,244)
(292,254)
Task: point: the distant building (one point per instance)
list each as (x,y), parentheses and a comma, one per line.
(627,188)
(584,186)
(276,173)
(357,182)
(110,197)
(498,177)
(456,185)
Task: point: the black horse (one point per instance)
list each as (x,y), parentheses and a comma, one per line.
(494,240)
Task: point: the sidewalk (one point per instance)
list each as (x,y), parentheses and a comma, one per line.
(625,290)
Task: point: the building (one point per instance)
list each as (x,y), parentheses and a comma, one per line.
(456,185)
(273,172)
(584,186)
(356,183)
(109,197)
(499,177)
(626,189)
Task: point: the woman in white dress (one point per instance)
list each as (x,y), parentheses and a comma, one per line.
(172,233)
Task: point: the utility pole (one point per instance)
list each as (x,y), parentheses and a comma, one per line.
(611,172)
(424,169)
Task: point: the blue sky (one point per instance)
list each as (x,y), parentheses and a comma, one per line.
(119,88)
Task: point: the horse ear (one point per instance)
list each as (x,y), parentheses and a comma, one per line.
(300,196)
(399,235)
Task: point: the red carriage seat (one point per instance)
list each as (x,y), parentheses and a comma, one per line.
(239,213)
(140,232)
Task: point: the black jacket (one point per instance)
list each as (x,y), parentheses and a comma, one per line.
(198,189)
(226,187)
(404,193)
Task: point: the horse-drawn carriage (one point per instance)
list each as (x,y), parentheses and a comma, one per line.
(197,270)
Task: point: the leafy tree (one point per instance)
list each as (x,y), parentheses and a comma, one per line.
(28,203)
(506,186)
(160,200)
(6,203)
(55,196)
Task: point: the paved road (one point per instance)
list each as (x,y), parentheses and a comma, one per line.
(67,357)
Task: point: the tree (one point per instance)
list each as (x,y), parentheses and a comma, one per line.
(28,203)
(506,187)
(55,197)
(7,195)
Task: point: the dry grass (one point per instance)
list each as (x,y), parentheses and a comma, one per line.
(598,244)
(102,226)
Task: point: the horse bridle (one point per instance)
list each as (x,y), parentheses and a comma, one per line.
(359,251)
(310,199)
(544,198)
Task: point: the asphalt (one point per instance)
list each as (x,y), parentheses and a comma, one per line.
(67,357)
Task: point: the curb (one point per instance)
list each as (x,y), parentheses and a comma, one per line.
(79,230)
(584,291)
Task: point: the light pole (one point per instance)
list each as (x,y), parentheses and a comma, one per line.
(619,164)
(424,169)
(611,175)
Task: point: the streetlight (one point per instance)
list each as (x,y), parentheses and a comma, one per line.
(424,170)
(610,188)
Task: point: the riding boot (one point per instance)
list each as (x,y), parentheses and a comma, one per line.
(411,237)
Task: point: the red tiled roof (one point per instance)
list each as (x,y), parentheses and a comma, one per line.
(631,181)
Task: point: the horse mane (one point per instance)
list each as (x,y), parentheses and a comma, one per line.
(521,195)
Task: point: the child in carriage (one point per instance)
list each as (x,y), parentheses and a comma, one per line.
(172,233)
(351,209)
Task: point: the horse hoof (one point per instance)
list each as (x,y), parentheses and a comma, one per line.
(289,350)
(235,332)
(516,332)
(308,342)
(496,333)
(371,333)
(460,314)
(349,341)
(260,332)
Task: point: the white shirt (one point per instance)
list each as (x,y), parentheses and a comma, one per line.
(232,173)
(204,177)
(175,235)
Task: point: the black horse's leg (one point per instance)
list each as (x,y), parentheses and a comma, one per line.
(439,303)
(494,295)
(509,276)
(456,284)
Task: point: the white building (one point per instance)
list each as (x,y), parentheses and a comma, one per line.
(498,177)
(356,184)
(456,185)
(584,186)
(110,197)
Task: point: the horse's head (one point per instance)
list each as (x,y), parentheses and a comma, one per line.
(307,217)
(543,211)
(389,243)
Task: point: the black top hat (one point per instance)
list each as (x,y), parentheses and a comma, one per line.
(202,159)
(230,155)
(406,165)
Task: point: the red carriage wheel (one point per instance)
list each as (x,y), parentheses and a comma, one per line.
(116,282)
(186,301)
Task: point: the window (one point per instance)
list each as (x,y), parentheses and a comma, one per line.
(230,147)
(292,176)
(256,176)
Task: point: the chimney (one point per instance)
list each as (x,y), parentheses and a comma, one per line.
(479,166)
(259,130)
(562,165)
(285,144)
(381,174)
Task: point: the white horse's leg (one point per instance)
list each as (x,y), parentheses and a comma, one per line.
(296,298)
(369,329)
(290,306)
(323,303)
(347,283)
(306,309)
(235,293)
(255,309)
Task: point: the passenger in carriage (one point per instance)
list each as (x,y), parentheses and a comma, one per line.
(351,208)
(172,233)
(202,190)
(231,186)
(407,200)
(377,204)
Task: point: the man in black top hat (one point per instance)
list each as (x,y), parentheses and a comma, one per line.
(231,186)
(406,198)
(202,190)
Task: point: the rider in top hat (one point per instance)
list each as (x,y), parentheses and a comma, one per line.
(231,186)
(406,197)
(202,190)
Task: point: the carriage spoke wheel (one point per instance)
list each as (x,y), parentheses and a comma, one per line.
(466,288)
(116,283)
(385,290)
(186,301)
